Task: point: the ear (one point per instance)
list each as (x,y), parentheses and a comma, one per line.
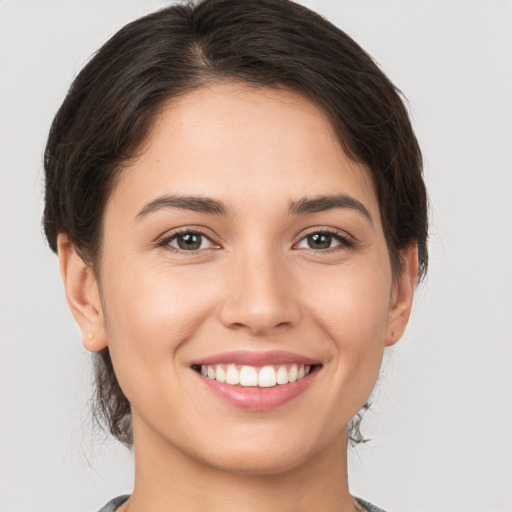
(402,295)
(82,293)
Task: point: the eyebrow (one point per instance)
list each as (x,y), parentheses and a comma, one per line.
(193,203)
(303,206)
(323,203)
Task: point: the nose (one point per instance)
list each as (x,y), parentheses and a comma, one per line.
(260,295)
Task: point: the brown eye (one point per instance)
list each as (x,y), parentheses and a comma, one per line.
(319,241)
(190,241)
(322,240)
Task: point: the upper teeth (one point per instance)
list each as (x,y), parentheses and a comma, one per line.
(264,377)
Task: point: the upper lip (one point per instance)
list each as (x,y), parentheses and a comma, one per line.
(251,358)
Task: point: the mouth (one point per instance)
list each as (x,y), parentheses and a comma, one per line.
(266,376)
(257,381)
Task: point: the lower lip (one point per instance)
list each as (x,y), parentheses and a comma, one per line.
(258,399)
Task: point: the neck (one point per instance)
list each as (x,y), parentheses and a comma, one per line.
(169,480)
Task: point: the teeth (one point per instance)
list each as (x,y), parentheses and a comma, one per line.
(267,377)
(232,375)
(248,376)
(220,374)
(264,377)
(282,375)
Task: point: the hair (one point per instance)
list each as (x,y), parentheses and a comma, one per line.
(111,105)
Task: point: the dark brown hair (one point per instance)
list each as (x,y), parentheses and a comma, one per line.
(110,107)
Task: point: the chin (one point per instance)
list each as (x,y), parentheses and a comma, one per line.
(261,453)
(257,462)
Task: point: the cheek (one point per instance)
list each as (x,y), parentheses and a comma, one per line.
(149,313)
(353,310)
(354,304)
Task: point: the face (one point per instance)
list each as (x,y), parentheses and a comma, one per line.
(246,287)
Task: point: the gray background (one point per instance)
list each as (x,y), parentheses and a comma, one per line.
(442,424)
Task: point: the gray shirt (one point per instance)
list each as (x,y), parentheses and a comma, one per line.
(113,504)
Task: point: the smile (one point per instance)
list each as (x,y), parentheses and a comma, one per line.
(257,381)
(263,377)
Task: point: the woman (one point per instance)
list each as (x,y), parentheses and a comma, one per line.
(234,192)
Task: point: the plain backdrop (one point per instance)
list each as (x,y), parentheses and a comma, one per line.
(442,422)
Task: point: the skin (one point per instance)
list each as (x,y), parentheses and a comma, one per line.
(255,284)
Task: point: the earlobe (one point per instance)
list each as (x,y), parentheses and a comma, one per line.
(403,294)
(82,294)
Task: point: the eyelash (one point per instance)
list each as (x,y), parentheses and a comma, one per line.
(187,231)
(344,242)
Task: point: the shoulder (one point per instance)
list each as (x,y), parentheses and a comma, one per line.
(113,504)
(367,506)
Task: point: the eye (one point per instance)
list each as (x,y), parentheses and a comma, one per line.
(189,241)
(323,240)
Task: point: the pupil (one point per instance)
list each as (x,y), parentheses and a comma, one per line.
(319,241)
(189,241)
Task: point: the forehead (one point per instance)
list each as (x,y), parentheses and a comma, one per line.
(234,141)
